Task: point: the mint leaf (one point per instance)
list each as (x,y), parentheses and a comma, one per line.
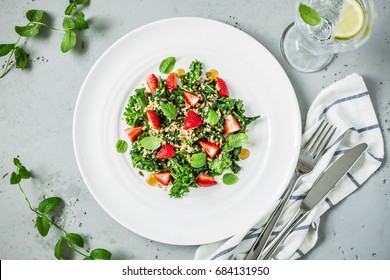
(17,162)
(198,160)
(57,249)
(100,254)
(15,178)
(27,31)
(150,143)
(229,179)
(89,258)
(68,23)
(80,22)
(237,140)
(49,204)
(121,146)
(34,15)
(68,41)
(80,2)
(21,58)
(23,172)
(43,225)
(75,239)
(169,110)
(70,9)
(212,117)
(309,15)
(167,65)
(6,48)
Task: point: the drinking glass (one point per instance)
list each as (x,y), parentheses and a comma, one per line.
(310,48)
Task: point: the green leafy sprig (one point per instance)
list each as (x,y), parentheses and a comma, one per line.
(43,222)
(309,15)
(74,20)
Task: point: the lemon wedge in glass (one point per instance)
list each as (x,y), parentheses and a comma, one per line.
(351,20)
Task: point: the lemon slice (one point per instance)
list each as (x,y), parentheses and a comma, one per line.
(351,20)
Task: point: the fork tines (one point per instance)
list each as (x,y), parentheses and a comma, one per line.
(320,139)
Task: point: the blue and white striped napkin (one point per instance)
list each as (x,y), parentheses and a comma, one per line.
(347,105)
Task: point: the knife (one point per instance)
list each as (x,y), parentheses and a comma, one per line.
(321,187)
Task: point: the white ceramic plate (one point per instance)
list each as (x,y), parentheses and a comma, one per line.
(205,214)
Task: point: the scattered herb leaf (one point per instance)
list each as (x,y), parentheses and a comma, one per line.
(43,224)
(198,160)
(169,110)
(20,57)
(68,41)
(15,178)
(48,205)
(100,254)
(229,179)
(34,15)
(57,248)
(167,65)
(150,143)
(80,21)
(70,9)
(29,30)
(6,49)
(75,239)
(237,140)
(212,117)
(121,146)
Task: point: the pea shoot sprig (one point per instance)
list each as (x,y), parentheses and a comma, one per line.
(47,206)
(74,20)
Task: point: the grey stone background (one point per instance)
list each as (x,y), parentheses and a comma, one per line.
(36,113)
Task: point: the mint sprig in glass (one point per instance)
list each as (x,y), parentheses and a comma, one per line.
(323,28)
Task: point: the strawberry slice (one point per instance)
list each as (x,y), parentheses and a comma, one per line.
(192,120)
(204,180)
(231,125)
(163,177)
(210,148)
(153,119)
(171,82)
(222,87)
(191,98)
(134,132)
(152,82)
(166,151)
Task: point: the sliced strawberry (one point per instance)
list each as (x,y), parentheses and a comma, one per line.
(134,132)
(192,120)
(210,148)
(191,98)
(171,82)
(163,177)
(204,180)
(231,125)
(222,87)
(153,119)
(166,151)
(152,82)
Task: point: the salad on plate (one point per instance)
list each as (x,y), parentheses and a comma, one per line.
(185,129)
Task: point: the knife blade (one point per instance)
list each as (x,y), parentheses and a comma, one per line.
(321,187)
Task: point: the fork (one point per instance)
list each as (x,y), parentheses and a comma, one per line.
(308,158)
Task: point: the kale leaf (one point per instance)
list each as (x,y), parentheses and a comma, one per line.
(182,175)
(134,112)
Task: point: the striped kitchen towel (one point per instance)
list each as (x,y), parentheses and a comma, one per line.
(347,105)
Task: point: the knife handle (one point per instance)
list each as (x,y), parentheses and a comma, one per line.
(258,246)
(298,217)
